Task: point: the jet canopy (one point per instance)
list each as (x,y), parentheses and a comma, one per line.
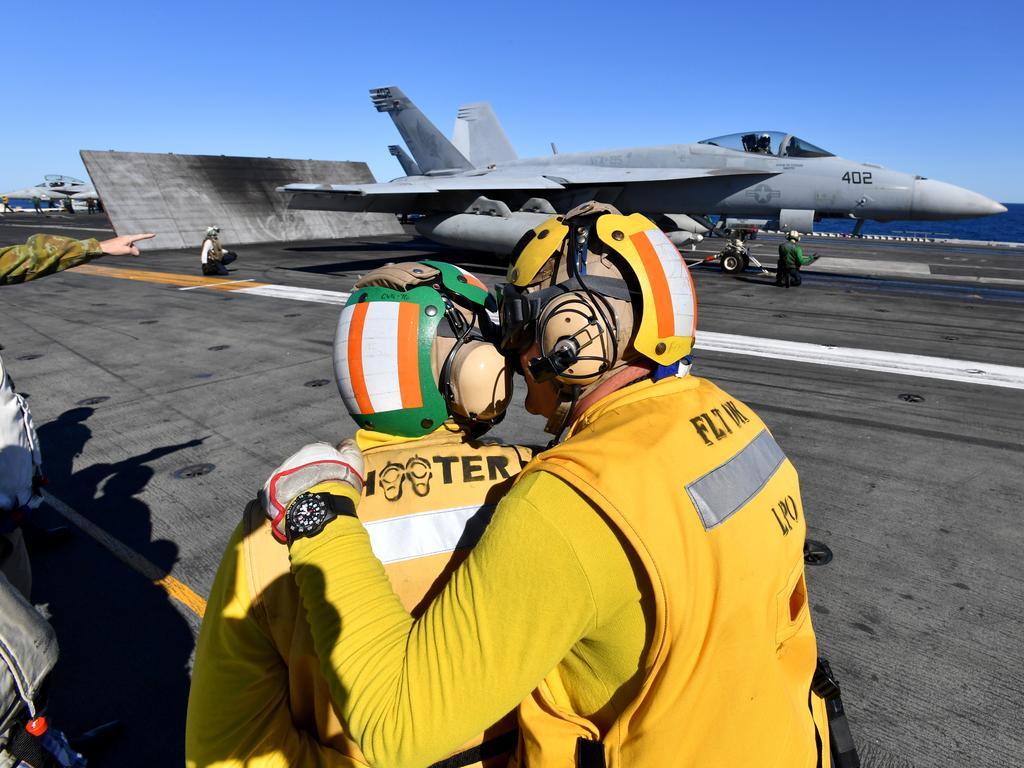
(774,143)
(56,181)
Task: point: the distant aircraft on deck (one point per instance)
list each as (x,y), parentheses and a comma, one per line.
(57,187)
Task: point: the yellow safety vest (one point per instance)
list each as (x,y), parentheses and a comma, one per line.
(695,482)
(424,507)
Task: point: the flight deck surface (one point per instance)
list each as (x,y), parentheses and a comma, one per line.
(163,399)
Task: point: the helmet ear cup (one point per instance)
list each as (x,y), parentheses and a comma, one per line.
(477,382)
(576,341)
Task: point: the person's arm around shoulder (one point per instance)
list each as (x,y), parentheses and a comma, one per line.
(489,638)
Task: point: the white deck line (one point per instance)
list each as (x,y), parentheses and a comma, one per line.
(215,285)
(296,294)
(869,266)
(865,359)
(948,369)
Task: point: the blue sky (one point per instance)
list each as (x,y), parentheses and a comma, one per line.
(934,89)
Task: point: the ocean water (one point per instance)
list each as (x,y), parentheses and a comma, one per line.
(1005,228)
(18,202)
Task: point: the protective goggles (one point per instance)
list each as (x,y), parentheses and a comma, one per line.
(517,317)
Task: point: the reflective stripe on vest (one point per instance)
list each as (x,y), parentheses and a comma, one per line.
(395,539)
(724,490)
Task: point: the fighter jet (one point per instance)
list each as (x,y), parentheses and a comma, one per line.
(489,203)
(57,187)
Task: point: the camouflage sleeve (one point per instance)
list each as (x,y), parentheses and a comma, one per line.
(43,255)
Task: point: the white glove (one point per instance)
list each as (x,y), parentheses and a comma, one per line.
(311,465)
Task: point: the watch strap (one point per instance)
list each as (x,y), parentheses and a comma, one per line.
(310,513)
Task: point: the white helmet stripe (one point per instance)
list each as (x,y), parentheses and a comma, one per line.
(380,356)
(680,286)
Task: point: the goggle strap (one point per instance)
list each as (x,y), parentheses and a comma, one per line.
(611,287)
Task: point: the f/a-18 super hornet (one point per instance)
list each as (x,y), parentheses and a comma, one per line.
(57,187)
(489,199)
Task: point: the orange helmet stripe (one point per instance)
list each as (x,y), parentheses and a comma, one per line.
(471,278)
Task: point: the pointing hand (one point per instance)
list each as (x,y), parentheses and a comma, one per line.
(124,245)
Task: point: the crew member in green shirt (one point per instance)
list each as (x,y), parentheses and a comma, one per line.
(791,258)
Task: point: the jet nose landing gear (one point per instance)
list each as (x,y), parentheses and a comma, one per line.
(734,258)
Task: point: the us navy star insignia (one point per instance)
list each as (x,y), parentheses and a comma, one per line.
(763,194)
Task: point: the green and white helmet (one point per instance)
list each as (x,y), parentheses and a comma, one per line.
(410,351)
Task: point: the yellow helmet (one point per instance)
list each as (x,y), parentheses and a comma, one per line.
(597,289)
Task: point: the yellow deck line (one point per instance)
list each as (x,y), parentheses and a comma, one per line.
(174,588)
(164,278)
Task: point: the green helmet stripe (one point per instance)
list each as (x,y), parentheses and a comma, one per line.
(461,283)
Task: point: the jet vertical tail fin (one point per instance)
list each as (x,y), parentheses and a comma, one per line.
(479,136)
(408,164)
(430,148)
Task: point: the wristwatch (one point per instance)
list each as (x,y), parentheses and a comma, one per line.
(311,512)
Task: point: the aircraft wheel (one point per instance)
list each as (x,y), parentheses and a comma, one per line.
(733,264)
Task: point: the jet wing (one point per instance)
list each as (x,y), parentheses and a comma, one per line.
(415,192)
(425,185)
(30,192)
(362,190)
(579,175)
(557,177)
(403,195)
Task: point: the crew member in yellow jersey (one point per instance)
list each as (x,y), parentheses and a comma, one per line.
(640,589)
(422,385)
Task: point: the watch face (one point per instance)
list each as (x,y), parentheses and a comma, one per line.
(308,515)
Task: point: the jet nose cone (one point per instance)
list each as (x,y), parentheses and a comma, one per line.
(939,200)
